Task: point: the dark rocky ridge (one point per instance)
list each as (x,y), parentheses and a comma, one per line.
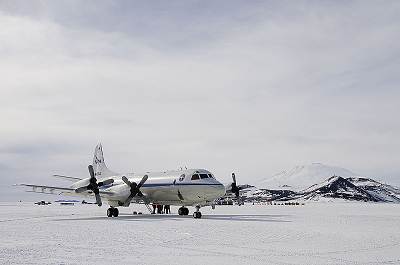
(336,187)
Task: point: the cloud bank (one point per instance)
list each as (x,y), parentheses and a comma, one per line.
(252,87)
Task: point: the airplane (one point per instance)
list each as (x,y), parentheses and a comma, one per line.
(188,187)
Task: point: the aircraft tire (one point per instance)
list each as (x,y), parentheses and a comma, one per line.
(115,212)
(110,212)
(197,215)
(183,211)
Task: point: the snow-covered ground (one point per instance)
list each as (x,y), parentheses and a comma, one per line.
(315,233)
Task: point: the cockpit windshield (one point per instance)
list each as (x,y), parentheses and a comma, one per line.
(195,176)
(203,176)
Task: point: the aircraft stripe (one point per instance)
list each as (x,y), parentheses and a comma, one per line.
(169,184)
(181,184)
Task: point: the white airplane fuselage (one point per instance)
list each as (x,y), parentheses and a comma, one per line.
(168,188)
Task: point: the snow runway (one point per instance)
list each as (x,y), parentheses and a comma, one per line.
(316,233)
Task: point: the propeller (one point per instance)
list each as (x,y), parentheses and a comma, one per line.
(135,188)
(235,189)
(94,186)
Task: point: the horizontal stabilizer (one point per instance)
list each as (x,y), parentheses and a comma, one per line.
(44,192)
(73,179)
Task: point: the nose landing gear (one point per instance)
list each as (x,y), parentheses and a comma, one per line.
(197,213)
(185,211)
(112,212)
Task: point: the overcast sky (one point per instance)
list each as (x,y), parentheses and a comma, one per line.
(254,87)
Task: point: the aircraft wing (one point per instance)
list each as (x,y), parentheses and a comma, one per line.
(46,189)
(57,190)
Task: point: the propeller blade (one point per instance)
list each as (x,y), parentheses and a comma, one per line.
(128,200)
(81,189)
(98,199)
(235,189)
(91,171)
(144,179)
(234,178)
(105,182)
(127,182)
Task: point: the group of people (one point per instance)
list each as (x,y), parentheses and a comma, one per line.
(161,209)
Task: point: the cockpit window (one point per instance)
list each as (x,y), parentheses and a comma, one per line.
(210,176)
(195,176)
(203,176)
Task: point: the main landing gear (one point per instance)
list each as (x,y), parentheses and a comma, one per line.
(183,211)
(112,212)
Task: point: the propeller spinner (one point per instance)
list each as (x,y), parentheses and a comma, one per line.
(94,186)
(135,188)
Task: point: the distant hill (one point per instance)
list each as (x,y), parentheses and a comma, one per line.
(382,192)
(338,187)
(318,182)
(302,177)
(335,187)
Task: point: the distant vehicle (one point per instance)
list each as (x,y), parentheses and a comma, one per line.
(42,203)
(73,201)
(85,202)
(67,203)
(225,202)
(190,187)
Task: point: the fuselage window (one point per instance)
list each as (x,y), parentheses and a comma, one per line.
(195,176)
(203,176)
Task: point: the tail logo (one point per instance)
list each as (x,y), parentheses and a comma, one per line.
(97,160)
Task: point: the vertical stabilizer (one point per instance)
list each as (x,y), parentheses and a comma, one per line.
(100,168)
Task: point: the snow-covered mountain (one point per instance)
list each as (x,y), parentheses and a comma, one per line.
(302,177)
(317,182)
(336,187)
(382,192)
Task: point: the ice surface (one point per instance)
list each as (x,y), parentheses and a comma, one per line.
(316,233)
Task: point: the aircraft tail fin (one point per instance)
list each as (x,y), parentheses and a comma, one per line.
(99,166)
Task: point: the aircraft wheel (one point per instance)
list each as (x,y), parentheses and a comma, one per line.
(110,212)
(183,211)
(197,215)
(115,212)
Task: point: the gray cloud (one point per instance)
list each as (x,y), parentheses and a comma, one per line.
(223,85)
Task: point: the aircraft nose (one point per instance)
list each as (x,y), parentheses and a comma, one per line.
(217,190)
(221,190)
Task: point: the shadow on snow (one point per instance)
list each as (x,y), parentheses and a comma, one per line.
(219,217)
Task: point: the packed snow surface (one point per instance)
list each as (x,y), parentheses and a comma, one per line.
(314,233)
(302,177)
